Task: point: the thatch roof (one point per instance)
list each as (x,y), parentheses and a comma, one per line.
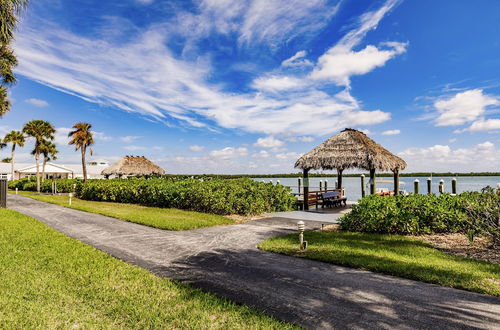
(133,165)
(350,149)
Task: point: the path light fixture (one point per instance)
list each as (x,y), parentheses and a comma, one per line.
(301,226)
(70,197)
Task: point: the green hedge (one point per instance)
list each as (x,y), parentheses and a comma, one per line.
(29,184)
(235,196)
(416,214)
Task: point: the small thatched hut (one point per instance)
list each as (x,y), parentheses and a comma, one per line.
(132,166)
(352,149)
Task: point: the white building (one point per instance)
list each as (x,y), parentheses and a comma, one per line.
(53,170)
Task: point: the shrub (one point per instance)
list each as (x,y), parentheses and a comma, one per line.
(483,215)
(29,184)
(408,215)
(218,196)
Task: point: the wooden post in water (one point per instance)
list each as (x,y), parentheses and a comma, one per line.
(363,186)
(441,186)
(306,189)
(429,186)
(320,185)
(326,185)
(454,186)
(3,193)
(373,184)
(396,181)
(299,184)
(416,187)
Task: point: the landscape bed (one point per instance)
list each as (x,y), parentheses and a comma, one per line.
(52,281)
(168,219)
(394,255)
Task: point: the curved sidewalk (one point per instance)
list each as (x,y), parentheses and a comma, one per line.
(225,260)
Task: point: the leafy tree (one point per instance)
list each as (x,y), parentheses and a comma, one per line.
(40,130)
(16,138)
(82,137)
(6,160)
(9,12)
(49,152)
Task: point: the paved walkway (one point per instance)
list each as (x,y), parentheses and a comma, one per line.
(225,260)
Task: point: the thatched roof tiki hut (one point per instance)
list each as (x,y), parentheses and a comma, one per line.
(351,149)
(132,166)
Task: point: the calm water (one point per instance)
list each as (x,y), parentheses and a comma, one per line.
(352,185)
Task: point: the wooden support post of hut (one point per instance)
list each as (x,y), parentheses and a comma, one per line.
(306,189)
(373,184)
(351,149)
(396,182)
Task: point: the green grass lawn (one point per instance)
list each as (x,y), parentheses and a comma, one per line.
(49,280)
(392,254)
(170,219)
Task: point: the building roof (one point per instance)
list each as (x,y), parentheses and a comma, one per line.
(133,165)
(350,149)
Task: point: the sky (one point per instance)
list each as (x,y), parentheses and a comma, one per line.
(222,86)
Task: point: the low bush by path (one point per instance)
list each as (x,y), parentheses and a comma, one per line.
(394,255)
(52,281)
(169,219)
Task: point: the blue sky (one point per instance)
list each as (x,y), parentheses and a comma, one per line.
(220,86)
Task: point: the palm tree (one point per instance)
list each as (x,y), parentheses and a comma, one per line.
(41,131)
(9,12)
(82,137)
(17,139)
(49,152)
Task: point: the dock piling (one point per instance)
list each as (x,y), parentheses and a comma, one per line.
(416,187)
(429,186)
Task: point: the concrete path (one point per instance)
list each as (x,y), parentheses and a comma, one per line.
(225,260)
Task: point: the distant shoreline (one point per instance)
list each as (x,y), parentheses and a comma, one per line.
(297,175)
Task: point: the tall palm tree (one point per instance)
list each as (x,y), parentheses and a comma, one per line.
(49,152)
(82,137)
(41,131)
(17,139)
(9,12)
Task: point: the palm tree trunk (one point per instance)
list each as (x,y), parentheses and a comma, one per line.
(12,161)
(84,165)
(37,161)
(43,167)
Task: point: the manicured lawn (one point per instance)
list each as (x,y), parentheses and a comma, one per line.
(50,281)
(392,254)
(170,219)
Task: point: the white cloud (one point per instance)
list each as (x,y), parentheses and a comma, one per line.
(261,154)
(482,125)
(443,158)
(289,155)
(340,62)
(391,132)
(463,107)
(101,136)
(37,102)
(277,83)
(268,142)
(129,138)
(301,139)
(134,148)
(176,89)
(145,2)
(228,153)
(196,148)
(297,60)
